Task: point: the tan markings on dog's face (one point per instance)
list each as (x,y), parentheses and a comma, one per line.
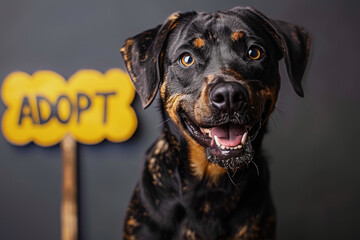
(172,106)
(198,43)
(171,103)
(209,78)
(163,90)
(236,36)
(199,164)
(233,73)
(197,157)
(201,107)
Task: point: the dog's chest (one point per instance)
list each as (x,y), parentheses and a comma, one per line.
(208,212)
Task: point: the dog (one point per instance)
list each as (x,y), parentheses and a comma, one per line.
(217,74)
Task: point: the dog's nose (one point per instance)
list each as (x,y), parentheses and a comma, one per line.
(228,96)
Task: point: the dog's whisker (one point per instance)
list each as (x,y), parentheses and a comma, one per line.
(257,169)
(276,115)
(243,168)
(234,173)
(232,181)
(237,118)
(162,123)
(280,113)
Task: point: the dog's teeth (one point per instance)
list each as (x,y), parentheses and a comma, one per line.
(225,147)
(207,131)
(243,139)
(217,141)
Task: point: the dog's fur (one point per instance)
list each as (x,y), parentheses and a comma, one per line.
(191,189)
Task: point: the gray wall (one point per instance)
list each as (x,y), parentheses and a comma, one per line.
(313,142)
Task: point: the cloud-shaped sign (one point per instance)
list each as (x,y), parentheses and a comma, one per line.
(90,106)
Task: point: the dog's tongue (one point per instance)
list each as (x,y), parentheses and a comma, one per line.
(229,135)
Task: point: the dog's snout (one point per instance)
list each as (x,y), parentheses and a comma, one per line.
(228,96)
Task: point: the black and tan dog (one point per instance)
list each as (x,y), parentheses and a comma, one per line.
(217,74)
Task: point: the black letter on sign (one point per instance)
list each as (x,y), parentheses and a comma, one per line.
(105,95)
(81,109)
(28,113)
(43,120)
(57,109)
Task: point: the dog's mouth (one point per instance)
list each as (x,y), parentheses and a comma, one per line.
(227,144)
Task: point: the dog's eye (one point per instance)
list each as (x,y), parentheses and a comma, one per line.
(255,53)
(187,60)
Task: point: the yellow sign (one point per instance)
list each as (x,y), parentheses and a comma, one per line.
(91,106)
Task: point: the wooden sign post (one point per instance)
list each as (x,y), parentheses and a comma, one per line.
(69,201)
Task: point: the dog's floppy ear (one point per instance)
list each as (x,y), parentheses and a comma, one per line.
(294,42)
(143,59)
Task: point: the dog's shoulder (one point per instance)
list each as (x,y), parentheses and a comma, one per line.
(162,158)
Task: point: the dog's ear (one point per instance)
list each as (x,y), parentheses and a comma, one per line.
(143,55)
(294,43)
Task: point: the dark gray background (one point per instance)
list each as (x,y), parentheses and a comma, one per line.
(313,142)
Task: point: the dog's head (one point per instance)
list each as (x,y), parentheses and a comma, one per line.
(218,75)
